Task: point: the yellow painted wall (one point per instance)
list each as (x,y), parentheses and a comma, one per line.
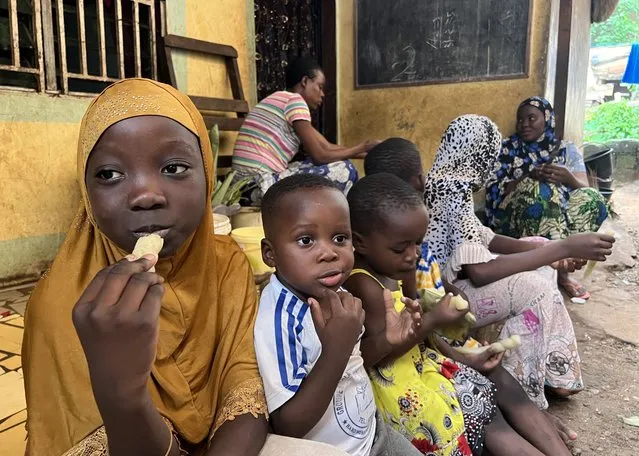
(38,192)
(38,133)
(227,23)
(421,113)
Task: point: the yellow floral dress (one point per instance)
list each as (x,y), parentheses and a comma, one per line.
(416,395)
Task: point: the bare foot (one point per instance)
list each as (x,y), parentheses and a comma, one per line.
(567,434)
(572,287)
(561,393)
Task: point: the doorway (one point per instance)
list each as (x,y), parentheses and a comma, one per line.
(285,30)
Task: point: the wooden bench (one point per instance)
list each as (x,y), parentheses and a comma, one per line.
(213,109)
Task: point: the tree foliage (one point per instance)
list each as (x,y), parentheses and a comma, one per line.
(621,28)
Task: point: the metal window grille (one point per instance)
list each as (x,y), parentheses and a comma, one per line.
(21,61)
(84,45)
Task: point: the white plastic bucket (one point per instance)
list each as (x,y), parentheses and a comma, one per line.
(221,224)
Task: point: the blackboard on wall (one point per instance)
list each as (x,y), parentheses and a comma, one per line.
(410,42)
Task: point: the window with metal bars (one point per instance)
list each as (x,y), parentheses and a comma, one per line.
(78,46)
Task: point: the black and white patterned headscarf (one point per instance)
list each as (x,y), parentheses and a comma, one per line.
(464,161)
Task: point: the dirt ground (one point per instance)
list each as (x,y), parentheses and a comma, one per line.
(607,329)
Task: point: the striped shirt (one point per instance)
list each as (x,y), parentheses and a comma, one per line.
(287,347)
(267,140)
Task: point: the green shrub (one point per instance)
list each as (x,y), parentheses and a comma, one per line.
(614,120)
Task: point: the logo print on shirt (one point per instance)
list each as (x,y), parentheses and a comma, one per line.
(354,412)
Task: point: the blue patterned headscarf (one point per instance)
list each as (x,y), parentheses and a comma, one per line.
(518,158)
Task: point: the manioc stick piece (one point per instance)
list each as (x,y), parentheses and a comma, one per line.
(148,244)
(590,265)
(431,297)
(428,298)
(497,347)
(513,341)
(459,302)
(473,350)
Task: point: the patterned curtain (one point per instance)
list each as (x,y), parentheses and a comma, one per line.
(284,30)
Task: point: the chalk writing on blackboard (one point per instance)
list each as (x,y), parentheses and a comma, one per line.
(427,41)
(405,66)
(444,31)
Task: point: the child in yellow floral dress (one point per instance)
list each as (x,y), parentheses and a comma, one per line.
(443,407)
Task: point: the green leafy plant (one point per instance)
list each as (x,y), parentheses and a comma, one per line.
(226,192)
(621,28)
(229,193)
(214,137)
(610,121)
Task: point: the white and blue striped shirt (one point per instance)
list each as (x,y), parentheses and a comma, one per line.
(287,348)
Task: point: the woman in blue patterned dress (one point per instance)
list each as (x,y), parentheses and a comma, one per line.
(540,187)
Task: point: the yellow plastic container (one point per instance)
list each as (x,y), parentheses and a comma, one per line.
(248,216)
(249,238)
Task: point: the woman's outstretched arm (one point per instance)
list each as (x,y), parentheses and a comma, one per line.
(589,246)
(321,151)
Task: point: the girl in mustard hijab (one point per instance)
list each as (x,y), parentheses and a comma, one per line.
(161,363)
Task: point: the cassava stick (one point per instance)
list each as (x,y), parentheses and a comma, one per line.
(509,343)
(590,266)
(148,244)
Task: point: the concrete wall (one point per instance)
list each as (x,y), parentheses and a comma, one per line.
(421,113)
(38,133)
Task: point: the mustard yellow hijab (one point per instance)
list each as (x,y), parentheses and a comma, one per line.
(205,371)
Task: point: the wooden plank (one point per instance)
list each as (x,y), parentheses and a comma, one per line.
(223,123)
(136,40)
(63,46)
(83,37)
(220,104)
(328,111)
(154,48)
(102,39)
(48,46)
(224,161)
(19,69)
(37,26)
(90,77)
(170,67)
(15,36)
(83,94)
(17,89)
(234,77)
(163,19)
(120,38)
(562,65)
(203,47)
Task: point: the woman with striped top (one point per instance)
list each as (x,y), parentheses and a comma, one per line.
(273,131)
